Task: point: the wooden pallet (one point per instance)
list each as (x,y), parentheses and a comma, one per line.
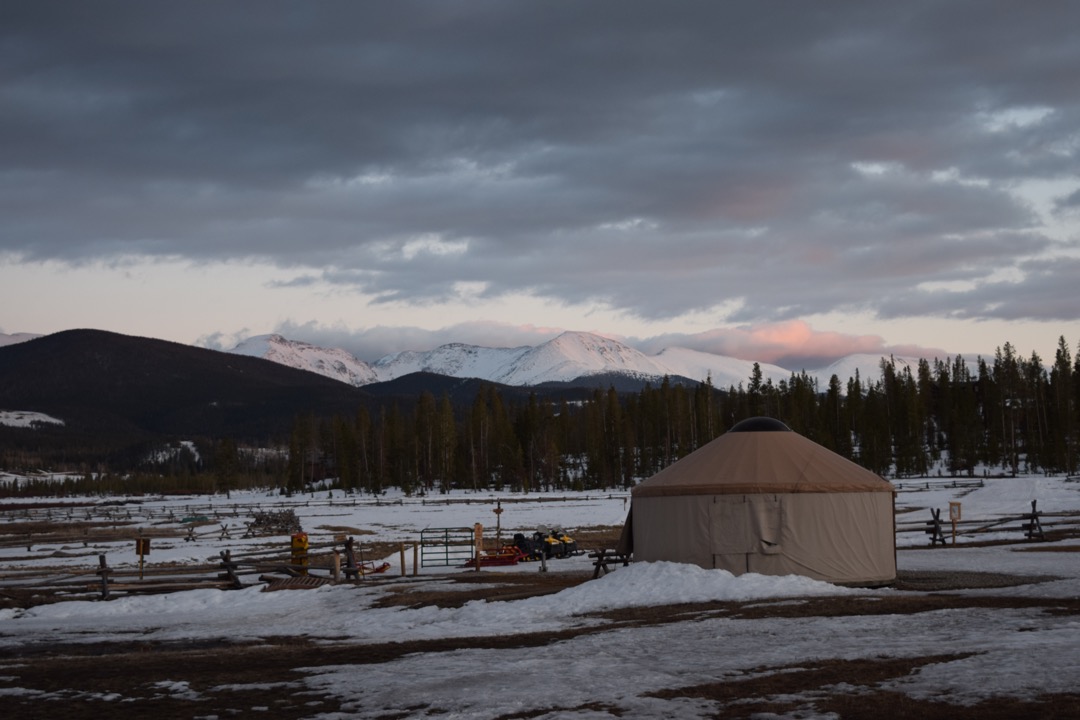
(303,582)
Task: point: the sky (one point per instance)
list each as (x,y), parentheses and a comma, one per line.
(782,182)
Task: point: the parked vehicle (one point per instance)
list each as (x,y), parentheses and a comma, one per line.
(547,544)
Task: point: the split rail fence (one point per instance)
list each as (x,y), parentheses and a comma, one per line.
(1035,526)
(323,563)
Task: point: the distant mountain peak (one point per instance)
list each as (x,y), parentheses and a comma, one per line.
(333,363)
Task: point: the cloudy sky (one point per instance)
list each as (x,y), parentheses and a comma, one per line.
(784,182)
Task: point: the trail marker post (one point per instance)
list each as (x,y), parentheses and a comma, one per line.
(142,547)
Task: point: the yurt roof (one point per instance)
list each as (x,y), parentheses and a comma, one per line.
(761,455)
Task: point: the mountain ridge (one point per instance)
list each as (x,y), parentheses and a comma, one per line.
(570,357)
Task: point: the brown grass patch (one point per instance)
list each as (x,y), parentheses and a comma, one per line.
(897,705)
(30,533)
(833,607)
(612,710)
(805,677)
(498,587)
(1051,548)
(344,530)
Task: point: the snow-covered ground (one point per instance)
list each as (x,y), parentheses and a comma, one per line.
(1014,652)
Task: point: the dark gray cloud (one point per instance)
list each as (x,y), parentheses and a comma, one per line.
(791,158)
(1068,204)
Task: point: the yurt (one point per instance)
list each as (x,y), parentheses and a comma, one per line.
(764,499)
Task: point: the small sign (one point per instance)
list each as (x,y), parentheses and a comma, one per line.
(954,511)
(142,546)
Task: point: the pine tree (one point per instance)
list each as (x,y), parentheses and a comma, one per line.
(1015,402)
(445,443)
(1035,426)
(836,436)
(1063,413)
(424,441)
(226,464)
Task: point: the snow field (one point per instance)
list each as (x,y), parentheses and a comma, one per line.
(1015,652)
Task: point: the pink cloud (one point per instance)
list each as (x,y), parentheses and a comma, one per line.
(777,342)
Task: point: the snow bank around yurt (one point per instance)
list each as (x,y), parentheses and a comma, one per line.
(667,583)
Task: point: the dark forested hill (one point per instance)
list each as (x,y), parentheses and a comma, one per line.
(464,391)
(105,385)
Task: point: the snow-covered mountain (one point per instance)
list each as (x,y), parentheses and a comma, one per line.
(868,366)
(567,357)
(724,371)
(332,362)
(576,354)
(454,360)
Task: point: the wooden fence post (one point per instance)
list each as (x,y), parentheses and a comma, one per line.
(230,569)
(934,528)
(1033,528)
(352,569)
(103,571)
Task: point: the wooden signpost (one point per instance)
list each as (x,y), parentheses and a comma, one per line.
(954,516)
(142,547)
(478,543)
(498,524)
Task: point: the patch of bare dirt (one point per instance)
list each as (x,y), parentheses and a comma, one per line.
(943,580)
(496,587)
(850,689)
(1050,548)
(344,530)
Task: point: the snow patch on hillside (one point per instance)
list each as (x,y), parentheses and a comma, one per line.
(26,419)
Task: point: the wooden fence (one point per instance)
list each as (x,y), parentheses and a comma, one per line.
(332,562)
(160,511)
(923,484)
(1033,525)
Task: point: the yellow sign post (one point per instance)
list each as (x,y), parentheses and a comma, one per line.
(142,547)
(300,552)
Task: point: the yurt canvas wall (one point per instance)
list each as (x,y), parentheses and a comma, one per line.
(764,499)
